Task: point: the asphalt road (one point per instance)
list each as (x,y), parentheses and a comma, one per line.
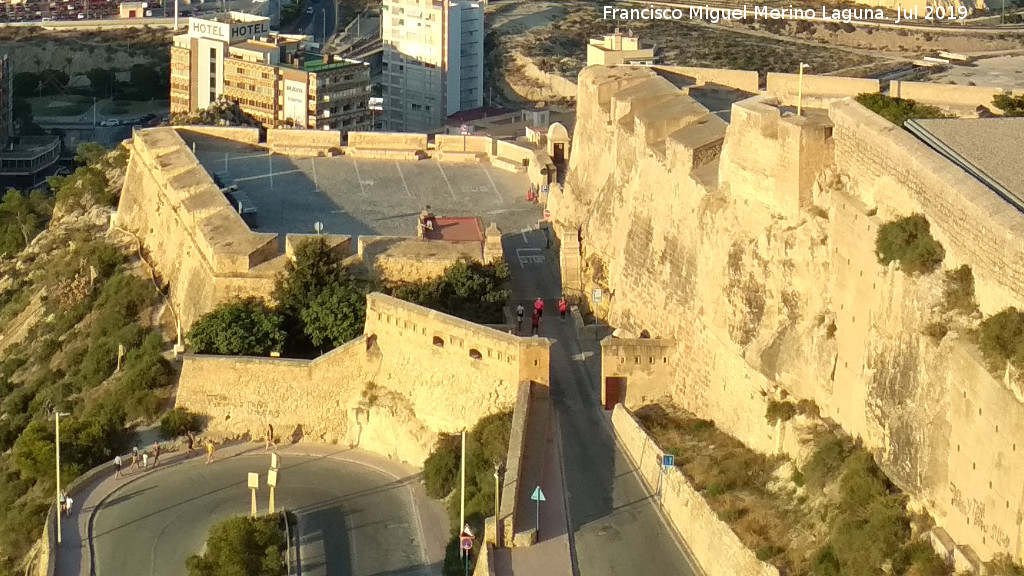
(355,521)
(615,524)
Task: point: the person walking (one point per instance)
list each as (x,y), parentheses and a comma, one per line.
(209,451)
(63,502)
(520,312)
(145,460)
(538,307)
(67,506)
(191,442)
(156,454)
(135,458)
(535,322)
(117,467)
(270,438)
(563,307)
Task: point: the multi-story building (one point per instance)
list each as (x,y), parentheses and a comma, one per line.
(6,99)
(433,61)
(271,76)
(618,48)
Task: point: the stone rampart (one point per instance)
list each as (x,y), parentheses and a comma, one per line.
(415,373)
(412,260)
(945,95)
(714,545)
(643,367)
(760,299)
(304,142)
(387,141)
(817,90)
(745,80)
(974,225)
(445,143)
(513,465)
(234,133)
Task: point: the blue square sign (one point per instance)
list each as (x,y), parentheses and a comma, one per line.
(668,460)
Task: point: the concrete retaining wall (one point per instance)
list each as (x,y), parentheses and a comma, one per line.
(714,545)
(459,143)
(945,94)
(234,133)
(516,445)
(745,80)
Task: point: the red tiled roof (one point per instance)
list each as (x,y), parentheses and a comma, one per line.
(458,229)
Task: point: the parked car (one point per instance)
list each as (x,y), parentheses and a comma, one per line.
(109,122)
(225,182)
(309,10)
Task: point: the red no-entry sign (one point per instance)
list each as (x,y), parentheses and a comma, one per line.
(547,214)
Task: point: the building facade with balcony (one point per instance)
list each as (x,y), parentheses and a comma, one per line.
(24,160)
(271,76)
(433,61)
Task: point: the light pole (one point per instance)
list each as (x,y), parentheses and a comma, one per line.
(324,39)
(800,90)
(60,512)
(497,500)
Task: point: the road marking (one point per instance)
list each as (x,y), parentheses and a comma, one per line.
(493,185)
(312,163)
(271,176)
(530,258)
(524,232)
(226,154)
(362,189)
(441,168)
(403,179)
(270,163)
(582,356)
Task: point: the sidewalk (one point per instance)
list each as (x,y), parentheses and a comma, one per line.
(541,467)
(75,558)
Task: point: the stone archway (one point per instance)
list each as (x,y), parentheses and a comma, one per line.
(558,143)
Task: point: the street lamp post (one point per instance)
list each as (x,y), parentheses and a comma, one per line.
(57,416)
(323,40)
(497,500)
(800,90)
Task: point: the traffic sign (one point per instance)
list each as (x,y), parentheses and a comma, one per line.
(466,531)
(547,214)
(668,460)
(466,543)
(538,495)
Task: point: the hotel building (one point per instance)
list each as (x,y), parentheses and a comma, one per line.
(271,76)
(433,61)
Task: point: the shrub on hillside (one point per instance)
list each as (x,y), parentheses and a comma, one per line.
(240,328)
(441,468)
(178,422)
(909,241)
(242,545)
(897,110)
(1001,339)
(1010,105)
(779,411)
(958,290)
(824,465)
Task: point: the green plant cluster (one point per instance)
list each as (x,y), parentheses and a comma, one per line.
(178,422)
(21,218)
(486,445)
(1010,105)
(1001,339)
(320,306)
(785,410)
(909,241)
(898,110)
(243,546)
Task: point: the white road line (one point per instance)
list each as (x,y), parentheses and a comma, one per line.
(493,185)
(271,176)
(362,189)
(439,167)
(403,179)
(523,232)
(312,162)
(270,163)
(226,154)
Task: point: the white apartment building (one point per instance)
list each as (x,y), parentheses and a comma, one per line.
(433,61)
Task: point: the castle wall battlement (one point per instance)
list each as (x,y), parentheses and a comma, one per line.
(765,277)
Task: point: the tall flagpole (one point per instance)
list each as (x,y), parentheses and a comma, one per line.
(462,513)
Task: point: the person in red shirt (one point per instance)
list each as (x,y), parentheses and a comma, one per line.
(538,306)
(535,331)
(563,307)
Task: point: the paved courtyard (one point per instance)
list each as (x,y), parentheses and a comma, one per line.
(366,197)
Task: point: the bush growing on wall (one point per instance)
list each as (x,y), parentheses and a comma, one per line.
(239,328)
(178,422)
(1001,339)
(897,110)
(958,290)
(909,241)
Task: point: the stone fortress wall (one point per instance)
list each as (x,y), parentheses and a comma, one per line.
(205,254)
(760,268)
(413,374)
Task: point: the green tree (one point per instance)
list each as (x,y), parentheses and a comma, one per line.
(315,269)
(1010,105)
(1001,339)
(26,84)
(22,218)
(898,110)
(469,290)
(147,81)
(242,546)
(89,154)
(241,328)
(909,241)
(103,81)
(336,315)
(53,81)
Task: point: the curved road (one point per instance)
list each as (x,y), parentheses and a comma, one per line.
(354,519)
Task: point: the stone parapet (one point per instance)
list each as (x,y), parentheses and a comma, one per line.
(513,465)
(714,545)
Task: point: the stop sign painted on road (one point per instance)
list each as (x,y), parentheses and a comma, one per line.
(547,214)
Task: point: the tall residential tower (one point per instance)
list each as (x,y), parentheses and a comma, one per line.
(433,61)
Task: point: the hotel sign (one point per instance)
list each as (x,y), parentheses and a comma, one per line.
(227,32)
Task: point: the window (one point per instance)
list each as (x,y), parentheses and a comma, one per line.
(438,341)
(475,354)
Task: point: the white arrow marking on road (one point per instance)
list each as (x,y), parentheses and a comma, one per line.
(582,356)
(524,231)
